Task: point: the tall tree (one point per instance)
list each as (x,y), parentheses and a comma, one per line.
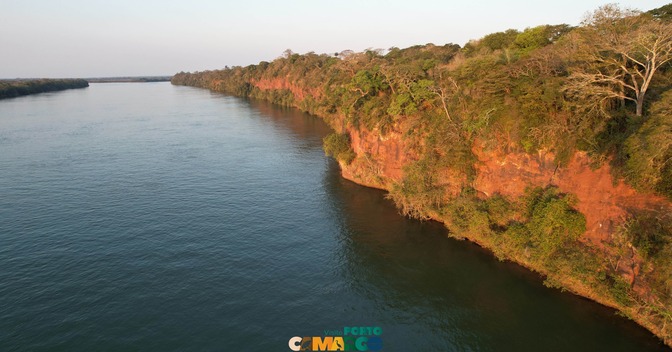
(622,51)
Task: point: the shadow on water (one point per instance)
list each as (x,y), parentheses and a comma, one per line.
(303,126)
(443,294)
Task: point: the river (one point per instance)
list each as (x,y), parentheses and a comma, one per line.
(150,217)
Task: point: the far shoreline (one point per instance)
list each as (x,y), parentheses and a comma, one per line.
(134,79)
(22,87)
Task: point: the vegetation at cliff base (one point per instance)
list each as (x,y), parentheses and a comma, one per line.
(15,88)
(338,146)
(603,89)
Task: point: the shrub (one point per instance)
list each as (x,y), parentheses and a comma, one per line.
(337,145)
(553,222)
(417,193)
(467,216)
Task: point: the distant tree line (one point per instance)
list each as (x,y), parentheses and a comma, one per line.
(15,88)
(138,79)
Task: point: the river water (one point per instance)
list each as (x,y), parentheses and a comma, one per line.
(150,217)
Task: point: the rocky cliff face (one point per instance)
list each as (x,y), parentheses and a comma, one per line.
(605,202)
(280,84)
(380,160)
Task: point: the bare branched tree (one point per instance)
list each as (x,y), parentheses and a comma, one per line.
(623,50)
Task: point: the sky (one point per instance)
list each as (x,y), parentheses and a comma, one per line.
(103,38)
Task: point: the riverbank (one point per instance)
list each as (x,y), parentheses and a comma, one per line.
(512,143)
(210,204)
(21,87)
(598,266)
(569,223)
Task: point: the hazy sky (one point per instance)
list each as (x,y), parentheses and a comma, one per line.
(92,38)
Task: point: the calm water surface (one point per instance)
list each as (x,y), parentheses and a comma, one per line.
(155,218)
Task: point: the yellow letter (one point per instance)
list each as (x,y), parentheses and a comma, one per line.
(322,345)
(338,344)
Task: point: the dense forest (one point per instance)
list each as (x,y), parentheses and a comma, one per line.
(16,88)
(422,122)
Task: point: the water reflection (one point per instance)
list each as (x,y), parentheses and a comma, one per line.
(302,126)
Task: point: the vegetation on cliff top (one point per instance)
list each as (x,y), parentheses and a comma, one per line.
(15,88)
(604,88)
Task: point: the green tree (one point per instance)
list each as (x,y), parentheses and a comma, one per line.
(662,13)
(499,40)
